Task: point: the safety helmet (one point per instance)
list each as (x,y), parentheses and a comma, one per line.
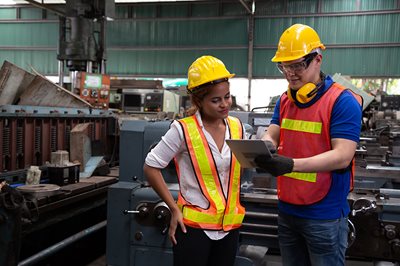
(297,41)
(206,69)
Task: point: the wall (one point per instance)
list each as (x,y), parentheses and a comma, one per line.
(161,40)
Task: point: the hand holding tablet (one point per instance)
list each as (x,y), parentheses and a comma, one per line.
(246,150)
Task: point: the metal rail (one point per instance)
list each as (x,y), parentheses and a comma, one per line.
(62,244)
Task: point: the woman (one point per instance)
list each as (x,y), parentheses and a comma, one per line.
(205,220)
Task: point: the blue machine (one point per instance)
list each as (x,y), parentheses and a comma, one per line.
(138,220)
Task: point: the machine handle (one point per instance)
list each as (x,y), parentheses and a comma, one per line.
(165,230)
(364,209)
(130,212)
(352,233)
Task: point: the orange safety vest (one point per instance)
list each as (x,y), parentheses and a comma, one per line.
(311,124)
(222,213)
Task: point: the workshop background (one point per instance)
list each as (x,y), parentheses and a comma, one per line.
(361,36)
(87,86)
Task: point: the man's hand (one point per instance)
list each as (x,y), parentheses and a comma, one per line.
(276,165)
(271,146)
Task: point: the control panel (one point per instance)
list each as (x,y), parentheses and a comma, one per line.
(94,88)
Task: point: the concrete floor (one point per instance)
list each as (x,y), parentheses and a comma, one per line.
(101,261)
(269,260)
(276,261)
(256,253)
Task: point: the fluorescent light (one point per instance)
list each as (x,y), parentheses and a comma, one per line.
(7,3)
(14,2)
(145,1)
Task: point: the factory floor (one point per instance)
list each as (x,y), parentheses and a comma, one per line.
(91,250)
(101,261)
(267,260)
(261,257)
(276,261)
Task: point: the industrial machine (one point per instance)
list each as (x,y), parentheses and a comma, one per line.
(94,88)
(142,100)
(34,218)
(82,35)
(138,219)
(138,95)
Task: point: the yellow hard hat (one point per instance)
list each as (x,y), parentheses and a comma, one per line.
(297,41)
(205,70)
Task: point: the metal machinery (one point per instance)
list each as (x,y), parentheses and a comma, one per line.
(49,123)
(136,96)
(36,223)
(94,88)
(82,49)
(30,222)
(138,219)
(82,35)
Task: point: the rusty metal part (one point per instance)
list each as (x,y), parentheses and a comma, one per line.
(29,139)
(40,190)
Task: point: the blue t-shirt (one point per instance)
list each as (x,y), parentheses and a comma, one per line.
(346,124)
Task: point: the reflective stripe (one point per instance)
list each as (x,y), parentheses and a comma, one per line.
(209,175)
(231,217)
(302,126)
(236,131)
(306,188)
(308,177)
(195,215)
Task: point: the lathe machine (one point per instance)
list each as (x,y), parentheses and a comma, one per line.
(138,220)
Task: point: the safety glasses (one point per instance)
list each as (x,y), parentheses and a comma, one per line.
(297,67)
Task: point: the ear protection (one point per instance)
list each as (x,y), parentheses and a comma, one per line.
(306,93)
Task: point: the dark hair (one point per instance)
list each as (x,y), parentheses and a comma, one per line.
(196,97)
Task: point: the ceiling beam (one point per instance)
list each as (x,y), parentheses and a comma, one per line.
(47,7)
(246,7)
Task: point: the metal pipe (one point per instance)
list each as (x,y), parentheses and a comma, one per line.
(61,73)
(89,66)
(73,78)
(394,193)
(260,226)
(250,234)
(62,244)
(261,215)
(250,56)
(102,50)
(47,7)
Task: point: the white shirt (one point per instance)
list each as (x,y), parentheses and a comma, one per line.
(172,145)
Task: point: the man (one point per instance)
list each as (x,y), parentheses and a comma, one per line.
(315,130)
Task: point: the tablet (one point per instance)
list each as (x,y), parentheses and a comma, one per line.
(246,150)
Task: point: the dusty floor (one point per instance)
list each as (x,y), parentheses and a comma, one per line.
(91,252)
(101,261)
(268,260)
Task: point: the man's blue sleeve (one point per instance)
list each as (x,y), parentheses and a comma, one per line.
(275,116)
(346,118)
